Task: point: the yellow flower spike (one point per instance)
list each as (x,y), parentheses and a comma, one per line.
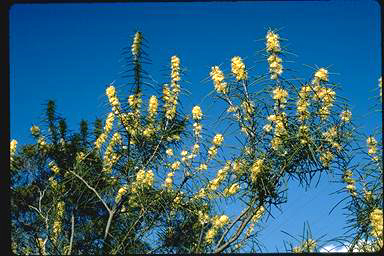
(273,43)
(321,75)
(152,106)
(136,44)
(238,68)
(376,218)
(217,77)
(256,168)
(218,140)
(197,114)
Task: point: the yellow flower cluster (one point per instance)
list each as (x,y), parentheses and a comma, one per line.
(238,68)
(330,137)
(233,189)
(35,130)
(170,95)
(239,166)
(120,193)
(218,139)
(347,178)
(321,75)
(107,128)
(145,177)
(273,43)
(376,218)
(256,168)
(326,158)
(217,77)
(275,66)
(12,148)
(58,221)
(175,165)
(280,120)
(259,213)
(113,100)
(280,96)
(169,152)
(135,101)
(80,156)
(54,167)
(248,108)
(202,167)
(220,176)
(309,245)
(136,44)
(53,183)
(169,180)
(303,102)
(327,96)
(175,68)
(371,142)
(197,114)
(197,127)
(217,223)
(202,217)
(110,157)
(304,134)
(152,107)
(345,116)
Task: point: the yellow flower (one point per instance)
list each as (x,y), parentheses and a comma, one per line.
(376,218)
(345,116)
(149,178)
(202,167)
(258,214)
(175,165)
(218,139)
(276,142)
(217,77)
(175,68)
(256,169)
(120,193)
(152,106)
(210,235)
(35,130)
(280,94)
(169,152)
(184,153)
(196,113)
(326,158)
(238,68)
(321,75)
(212,151)
(136,44)
(224,220)
(13,144)
(272,44)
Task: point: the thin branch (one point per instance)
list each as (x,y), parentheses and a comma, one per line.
(91,188)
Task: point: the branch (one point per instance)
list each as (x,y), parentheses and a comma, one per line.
(72,233)
(91,188)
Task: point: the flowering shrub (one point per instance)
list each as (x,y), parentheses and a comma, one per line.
(150,180)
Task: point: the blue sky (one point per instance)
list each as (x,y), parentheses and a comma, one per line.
(69,52)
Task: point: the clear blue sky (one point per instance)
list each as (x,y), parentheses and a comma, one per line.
(69,52)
